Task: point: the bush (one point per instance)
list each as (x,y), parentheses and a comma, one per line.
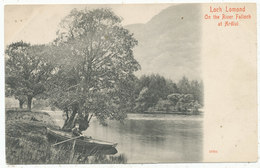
(163,105)
(26,143)
(177,103)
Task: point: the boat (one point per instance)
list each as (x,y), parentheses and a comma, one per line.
(83,145)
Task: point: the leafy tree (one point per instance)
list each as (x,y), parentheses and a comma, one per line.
(174,98)
(95,61)
(197,91)
(141,104)
(185,102)
(184,86)
(157,88)
(27,71)
(163,105)
(171,87)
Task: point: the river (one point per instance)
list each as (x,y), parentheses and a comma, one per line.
(152,138)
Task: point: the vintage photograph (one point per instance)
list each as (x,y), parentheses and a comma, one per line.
(103,84)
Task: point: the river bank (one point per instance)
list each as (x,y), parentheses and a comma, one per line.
(27,143)
(171,112)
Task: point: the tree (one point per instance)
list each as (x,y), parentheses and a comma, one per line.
(141,101)
(174,98)
(93,53)
(184,86)
(172,87)
(157,88)
(27,71)
(163,105)
(197,91)
(18,94)
(185,102)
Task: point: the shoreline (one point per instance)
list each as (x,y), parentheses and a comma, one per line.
(177,113)
(27,142)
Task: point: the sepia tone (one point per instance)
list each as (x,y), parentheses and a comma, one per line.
(153,83)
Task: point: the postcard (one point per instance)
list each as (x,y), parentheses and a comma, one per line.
(130,83)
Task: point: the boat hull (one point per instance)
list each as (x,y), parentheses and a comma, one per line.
(87,147)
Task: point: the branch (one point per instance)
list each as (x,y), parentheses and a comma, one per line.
(72,87)
(90,117)
(105,58)
(102,55)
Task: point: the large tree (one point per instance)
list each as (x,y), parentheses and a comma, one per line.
(96,65)
(27,71)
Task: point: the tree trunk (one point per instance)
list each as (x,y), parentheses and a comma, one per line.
(84,123)
(70,122)
(21,104)
(29,103)
(83,118)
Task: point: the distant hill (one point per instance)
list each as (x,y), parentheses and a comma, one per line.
(169,44)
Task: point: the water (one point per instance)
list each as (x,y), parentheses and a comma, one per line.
(154,138)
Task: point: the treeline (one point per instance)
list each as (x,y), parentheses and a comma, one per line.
(155,93)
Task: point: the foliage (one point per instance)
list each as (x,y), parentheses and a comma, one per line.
(149,89)
(96,65)
(162,105)
(27,143)
(101,159)
(184,86)
(89,70)
(184,103)
(155,93)
(141,104)
(174,98)
(27,71)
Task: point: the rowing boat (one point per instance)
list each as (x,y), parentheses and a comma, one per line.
(87,146)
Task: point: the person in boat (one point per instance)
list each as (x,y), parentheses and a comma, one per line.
(76,131)
(81,125)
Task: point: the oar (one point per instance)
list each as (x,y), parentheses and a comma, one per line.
(66,140)
(111,143)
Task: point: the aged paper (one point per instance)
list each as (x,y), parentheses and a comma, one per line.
(229,70)
(142,83)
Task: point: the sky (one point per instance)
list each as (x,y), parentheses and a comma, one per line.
(37,24)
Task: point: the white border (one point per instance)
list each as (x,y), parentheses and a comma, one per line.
(176,165)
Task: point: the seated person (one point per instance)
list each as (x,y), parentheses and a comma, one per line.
(76,131)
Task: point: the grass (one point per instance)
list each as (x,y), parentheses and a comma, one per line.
(27,143)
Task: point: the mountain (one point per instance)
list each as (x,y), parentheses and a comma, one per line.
(170,43)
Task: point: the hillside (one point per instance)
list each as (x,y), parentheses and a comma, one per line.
(169,44)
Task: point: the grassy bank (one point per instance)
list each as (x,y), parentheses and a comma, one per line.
(27,143)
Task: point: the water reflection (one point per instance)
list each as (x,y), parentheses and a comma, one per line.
(146,138)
